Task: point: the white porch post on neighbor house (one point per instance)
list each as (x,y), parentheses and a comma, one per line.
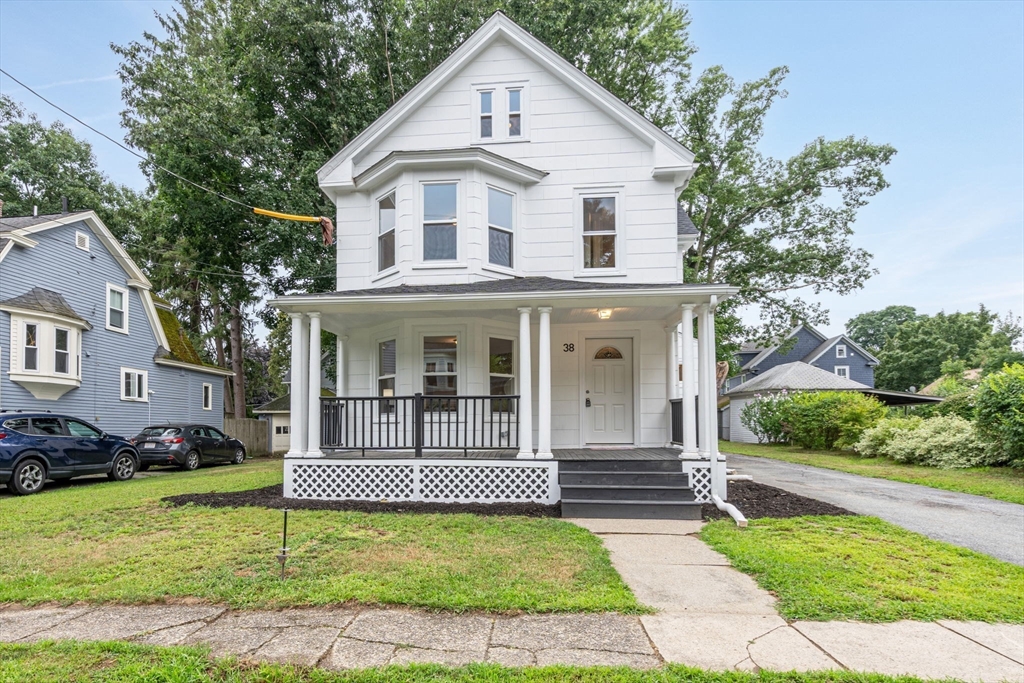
(296,395)
(341,382)
(525,386)
(313,439)
(544,385)
(703,382)
(686,394)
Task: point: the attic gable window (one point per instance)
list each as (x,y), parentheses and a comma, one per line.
(840,350)
(500,112)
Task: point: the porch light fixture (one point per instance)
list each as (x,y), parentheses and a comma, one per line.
(604,314)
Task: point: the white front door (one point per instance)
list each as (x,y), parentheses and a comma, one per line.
(608,404)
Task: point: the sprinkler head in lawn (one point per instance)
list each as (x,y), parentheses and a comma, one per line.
(283,555)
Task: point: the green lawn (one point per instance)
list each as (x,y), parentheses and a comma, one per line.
(116,542)
(71,662)
(861,568)
(1001,483)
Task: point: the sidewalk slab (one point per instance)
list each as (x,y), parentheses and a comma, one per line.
(299,645)
(1006,639)
(648,548)
(417,655)
(16,624)
(610,632)
(701,589)
(510,656)
(920,649)
(348,653)
(786,649)
(670,527)
(123,623)
(709,641)
(175,635)
(454,632)
(225,640)
(336,618)
(580,657)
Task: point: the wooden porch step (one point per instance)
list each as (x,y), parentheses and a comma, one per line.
(598,478)
(620,466)
(595,493)
(631,509)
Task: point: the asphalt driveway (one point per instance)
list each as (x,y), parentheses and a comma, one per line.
(993,527)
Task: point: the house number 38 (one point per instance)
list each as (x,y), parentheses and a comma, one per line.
(568,348)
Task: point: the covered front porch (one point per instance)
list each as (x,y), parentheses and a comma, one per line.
(530,369)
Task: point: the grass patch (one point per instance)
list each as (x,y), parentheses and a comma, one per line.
(862,568)
(1001,483)
(116,542)
(73,662)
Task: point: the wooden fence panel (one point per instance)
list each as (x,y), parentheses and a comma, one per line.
(255,434)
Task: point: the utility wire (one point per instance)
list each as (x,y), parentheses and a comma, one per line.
(129,149)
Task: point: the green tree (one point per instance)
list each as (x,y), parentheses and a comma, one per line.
(41,164)
(873,328)
(773,228)
(1001,414)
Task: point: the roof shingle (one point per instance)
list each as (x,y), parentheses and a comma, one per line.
(44,301)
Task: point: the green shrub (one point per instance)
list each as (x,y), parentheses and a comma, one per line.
(947,442)
(762,415)
(874,441)
(829,419)
(961,405)
(1000,415)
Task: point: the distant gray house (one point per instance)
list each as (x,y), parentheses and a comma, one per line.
(839,355)
(82,334)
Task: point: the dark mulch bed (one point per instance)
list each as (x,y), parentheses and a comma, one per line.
(272,497)
(757,500)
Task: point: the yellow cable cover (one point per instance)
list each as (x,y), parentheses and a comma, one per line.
(287,216)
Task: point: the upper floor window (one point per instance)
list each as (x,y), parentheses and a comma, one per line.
(599,231)
(440,210)
(117,308)
(840,350)
(62,351)
(843,371)
(515,113)
(386,232)
(499,227)
(31,360)
(486,114)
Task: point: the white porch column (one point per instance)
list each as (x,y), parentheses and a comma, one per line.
(718,481)
(341,383)
(687,394)
(544,385)
(525,386)
(703,381)
(295,390)
(313,438)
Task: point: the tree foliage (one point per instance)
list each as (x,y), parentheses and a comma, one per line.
(1000,402)
(872,329)
(773,228)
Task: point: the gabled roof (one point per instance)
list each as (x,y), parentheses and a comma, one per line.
(670,157)
(18,222)
(684,226)
(44,301)
(829,343)
(756,360)
(796,376)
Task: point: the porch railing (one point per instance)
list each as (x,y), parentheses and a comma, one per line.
(677,420)
(419,423)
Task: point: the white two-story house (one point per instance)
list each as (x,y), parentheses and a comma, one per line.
(509,288)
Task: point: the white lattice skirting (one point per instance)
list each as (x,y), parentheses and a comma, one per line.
(438,481)
(700,479)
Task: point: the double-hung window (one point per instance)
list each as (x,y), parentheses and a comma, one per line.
(31,359)
(840,350)
(440,221)
(440,370)
(502,372)
(386,232)
(499,227)
(387,366)
(600,224)
(843,371)
(486,114)
(515,113)
(117,308)
(134,385)
(61,351)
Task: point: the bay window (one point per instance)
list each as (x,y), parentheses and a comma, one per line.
(31,360)
(440,222)
(499,227)
(440,370)
(61,351)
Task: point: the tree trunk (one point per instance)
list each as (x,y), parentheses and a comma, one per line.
(237,362)
(218,345)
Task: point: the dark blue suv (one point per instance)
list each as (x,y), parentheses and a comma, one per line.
(35,447)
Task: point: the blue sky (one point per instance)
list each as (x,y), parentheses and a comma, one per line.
(941,81)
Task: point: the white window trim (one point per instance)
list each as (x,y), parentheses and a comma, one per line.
(841,347)
(68,351)
(460,231)
(81,238)
(145,385)
(207,391)
(488,336)
(461,333)
(499,112)
(578,195)
(516,256)
(24,345)
(376,222)
(842,367)
(106,303)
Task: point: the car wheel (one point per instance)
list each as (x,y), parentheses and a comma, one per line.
(192,461)
(27,478)
(123,468)
(239,456)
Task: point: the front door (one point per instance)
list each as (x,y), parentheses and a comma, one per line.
(608,405)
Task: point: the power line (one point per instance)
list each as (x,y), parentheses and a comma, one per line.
(127,148)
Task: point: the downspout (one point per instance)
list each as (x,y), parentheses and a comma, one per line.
(730,509)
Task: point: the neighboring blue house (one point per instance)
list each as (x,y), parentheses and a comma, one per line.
(81,333)
(839,355)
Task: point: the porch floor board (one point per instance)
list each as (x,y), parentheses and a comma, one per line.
(510,454)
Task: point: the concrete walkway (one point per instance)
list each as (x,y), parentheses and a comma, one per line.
(993,527)
(712,616)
